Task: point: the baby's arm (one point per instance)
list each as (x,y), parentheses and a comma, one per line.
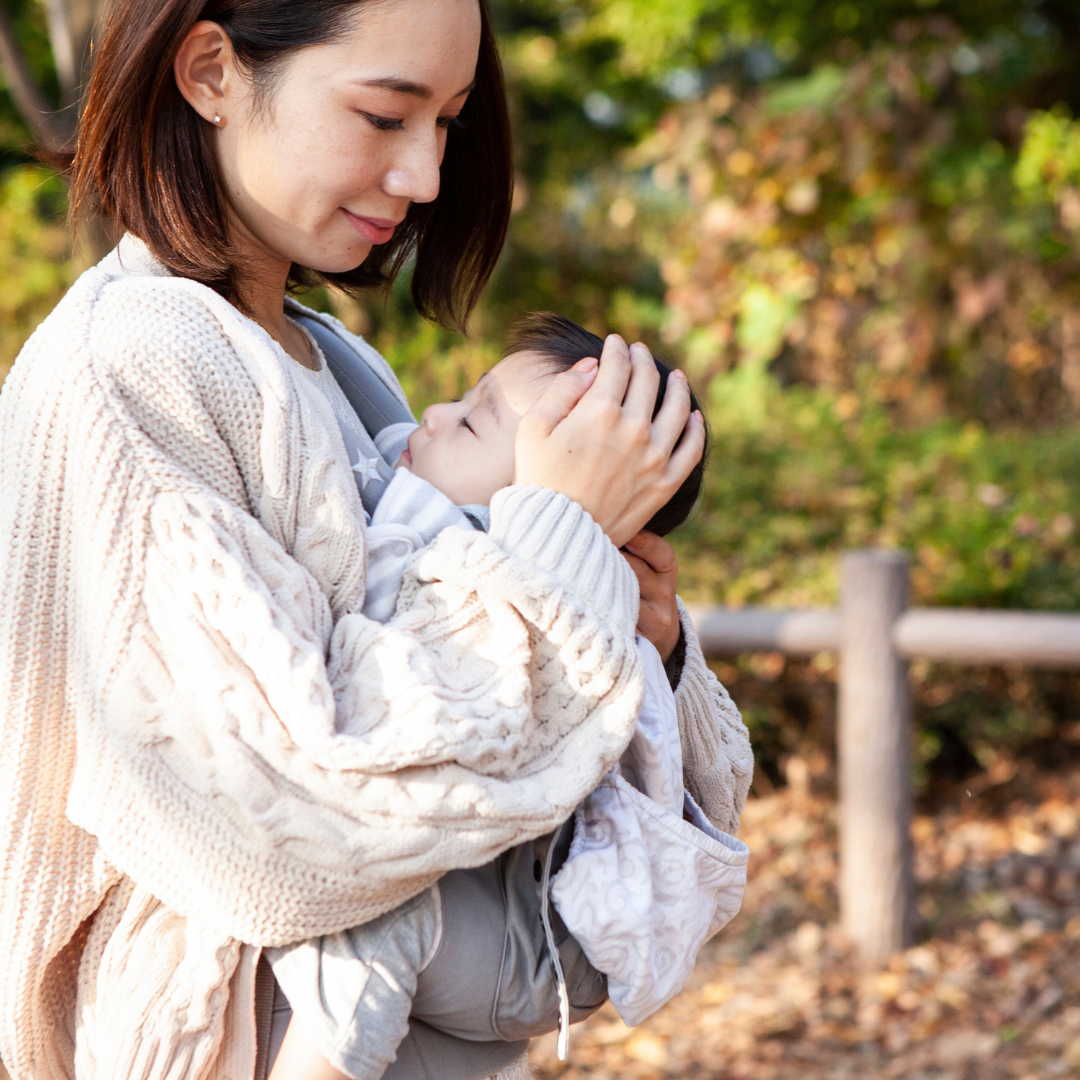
(299,1060)
(410,514)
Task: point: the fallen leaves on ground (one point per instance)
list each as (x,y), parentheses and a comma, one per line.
(991,990)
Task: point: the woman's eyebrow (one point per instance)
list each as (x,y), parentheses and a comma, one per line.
(406,86)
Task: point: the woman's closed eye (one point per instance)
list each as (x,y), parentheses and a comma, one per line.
(383,123)
(387,123)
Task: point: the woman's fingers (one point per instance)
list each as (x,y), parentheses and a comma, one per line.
(614,373)
(688,453)
(558,400)
(671,420)
(653,550)
(640,399)
(654,564)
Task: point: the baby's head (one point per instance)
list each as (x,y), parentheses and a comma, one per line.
(466,448)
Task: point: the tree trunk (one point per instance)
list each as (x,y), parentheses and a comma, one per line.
(47,127)
(71,26)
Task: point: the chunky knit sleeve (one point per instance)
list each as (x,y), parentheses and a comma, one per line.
(250,749)
(718,763)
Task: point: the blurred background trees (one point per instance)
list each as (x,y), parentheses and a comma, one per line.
(855,224)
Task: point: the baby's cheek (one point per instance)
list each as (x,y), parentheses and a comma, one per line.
(426,466)
(490,472)
(506,466)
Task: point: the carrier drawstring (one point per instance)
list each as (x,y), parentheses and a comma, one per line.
(563,1046)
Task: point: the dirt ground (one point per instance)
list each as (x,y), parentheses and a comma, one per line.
(992,989)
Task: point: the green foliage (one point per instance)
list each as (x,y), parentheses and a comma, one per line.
(818,92)
(765,37)
(648,31)
(35,260)
(988,517)
(1049,165)
(923,104)
(866,232)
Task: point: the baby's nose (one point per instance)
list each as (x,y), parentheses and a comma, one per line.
(432,416)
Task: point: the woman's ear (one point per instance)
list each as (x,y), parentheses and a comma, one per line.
(205,70)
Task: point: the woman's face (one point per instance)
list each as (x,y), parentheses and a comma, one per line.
(349,134)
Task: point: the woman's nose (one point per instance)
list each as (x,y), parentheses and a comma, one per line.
(414,171)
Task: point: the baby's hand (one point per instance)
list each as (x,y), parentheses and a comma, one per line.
(653,560)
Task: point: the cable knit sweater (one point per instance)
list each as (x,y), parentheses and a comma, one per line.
(180,637)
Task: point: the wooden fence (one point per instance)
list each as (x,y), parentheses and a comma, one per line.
(876,633)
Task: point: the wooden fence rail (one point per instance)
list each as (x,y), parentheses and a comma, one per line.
(876,633)
(960,635)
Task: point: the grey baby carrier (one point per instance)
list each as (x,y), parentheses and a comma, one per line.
(544,979)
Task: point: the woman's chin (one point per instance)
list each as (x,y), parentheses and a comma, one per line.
(340,259)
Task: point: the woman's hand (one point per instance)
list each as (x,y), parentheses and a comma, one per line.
(653,560)
(592,437)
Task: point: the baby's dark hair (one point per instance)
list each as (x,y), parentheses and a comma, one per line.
(562,343)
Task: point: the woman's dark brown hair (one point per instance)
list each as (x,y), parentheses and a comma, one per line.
(562,343)
(144,157)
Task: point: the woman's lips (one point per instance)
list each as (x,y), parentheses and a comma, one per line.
(373,230)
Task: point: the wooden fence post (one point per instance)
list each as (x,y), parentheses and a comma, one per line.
(874,756)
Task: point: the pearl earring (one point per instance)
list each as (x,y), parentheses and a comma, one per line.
(217,118)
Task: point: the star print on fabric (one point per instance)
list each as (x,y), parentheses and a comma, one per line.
(367,470)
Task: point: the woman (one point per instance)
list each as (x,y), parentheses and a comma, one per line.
(184,560)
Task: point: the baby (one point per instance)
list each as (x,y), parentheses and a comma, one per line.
(638,878)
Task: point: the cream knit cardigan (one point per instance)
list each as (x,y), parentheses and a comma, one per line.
(181,578)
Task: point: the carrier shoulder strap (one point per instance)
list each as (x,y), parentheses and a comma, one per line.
(374,402)
(371,399)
